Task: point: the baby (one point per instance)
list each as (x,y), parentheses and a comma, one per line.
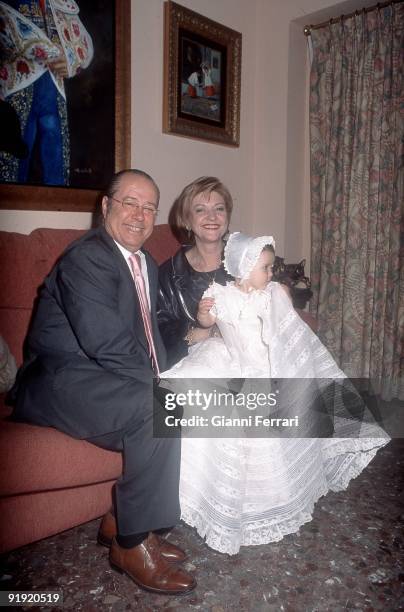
(257,279)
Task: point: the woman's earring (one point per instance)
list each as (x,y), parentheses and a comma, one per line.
(189,232)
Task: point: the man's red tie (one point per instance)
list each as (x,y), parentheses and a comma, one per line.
(141,292)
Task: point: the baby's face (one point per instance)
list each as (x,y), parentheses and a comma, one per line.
(261,273)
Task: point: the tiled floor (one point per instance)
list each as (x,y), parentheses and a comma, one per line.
(349,557)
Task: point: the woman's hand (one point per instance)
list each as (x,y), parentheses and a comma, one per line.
(204,316)
(197,334)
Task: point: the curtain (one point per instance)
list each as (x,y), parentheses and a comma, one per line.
(357,194)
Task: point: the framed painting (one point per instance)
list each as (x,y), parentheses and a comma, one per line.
(73,60)
(202,77)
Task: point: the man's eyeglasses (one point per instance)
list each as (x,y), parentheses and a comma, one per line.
(130,204)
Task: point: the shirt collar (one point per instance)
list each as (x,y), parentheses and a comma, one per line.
(127,253)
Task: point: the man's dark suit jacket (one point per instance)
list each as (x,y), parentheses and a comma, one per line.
(88,370)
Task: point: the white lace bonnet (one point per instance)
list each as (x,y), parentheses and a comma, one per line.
(241,253)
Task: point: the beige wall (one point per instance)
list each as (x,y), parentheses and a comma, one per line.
(267,174)
(175,161)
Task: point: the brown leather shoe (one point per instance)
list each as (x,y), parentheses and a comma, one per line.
(108,531)
(169,551)
(149,570)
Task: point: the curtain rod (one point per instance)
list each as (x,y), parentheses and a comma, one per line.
(308,28)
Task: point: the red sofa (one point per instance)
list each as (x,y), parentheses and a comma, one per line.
(49,482)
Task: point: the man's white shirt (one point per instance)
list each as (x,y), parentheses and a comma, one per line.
(126,254)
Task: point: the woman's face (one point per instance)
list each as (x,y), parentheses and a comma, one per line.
(208,218)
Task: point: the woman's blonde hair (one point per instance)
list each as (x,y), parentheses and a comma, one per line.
(179,213)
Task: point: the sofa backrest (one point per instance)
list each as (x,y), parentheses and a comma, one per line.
(25,260)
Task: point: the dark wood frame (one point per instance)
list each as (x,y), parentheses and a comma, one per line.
(28,197)
(178,18)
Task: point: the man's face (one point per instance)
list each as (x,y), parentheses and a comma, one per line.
(131,223)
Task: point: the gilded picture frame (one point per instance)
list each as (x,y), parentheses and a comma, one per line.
(202,77)
(66,198)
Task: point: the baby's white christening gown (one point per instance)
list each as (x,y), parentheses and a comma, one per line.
(243,491)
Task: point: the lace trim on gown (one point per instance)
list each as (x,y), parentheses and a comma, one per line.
(227,518)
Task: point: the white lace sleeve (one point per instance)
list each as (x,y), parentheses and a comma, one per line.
(223,296)
(211,292)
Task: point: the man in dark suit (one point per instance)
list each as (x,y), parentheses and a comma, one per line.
(89,373)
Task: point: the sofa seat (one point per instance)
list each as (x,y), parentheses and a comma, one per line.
(75,463)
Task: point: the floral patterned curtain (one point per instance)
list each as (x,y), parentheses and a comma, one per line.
(357,194)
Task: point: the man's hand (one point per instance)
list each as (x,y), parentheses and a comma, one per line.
(59,65)
(206,318)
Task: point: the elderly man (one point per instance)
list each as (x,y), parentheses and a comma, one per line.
(93,352)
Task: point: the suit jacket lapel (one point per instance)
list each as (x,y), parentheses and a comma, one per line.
(152,274)
(153,278)
(126,274)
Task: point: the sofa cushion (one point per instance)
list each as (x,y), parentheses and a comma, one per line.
(14,326)
(162,244)
(59,461)
(26,260)
(30,517)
